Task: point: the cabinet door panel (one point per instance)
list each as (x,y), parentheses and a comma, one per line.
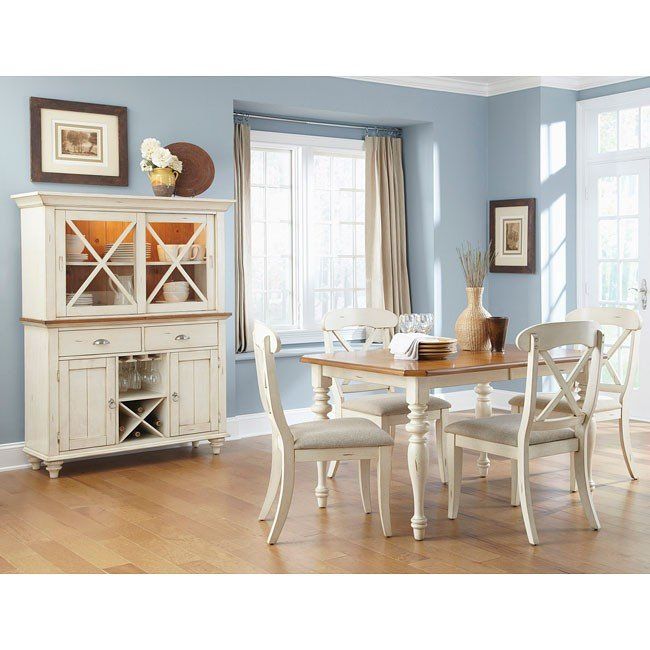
(87,402)
(194,388)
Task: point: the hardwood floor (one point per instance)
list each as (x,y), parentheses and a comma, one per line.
(183,510)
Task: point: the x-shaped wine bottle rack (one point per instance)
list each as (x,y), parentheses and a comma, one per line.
(139,418)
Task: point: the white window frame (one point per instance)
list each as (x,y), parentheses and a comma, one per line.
(586,154)
(294,142)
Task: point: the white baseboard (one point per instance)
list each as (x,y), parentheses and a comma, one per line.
(258,424)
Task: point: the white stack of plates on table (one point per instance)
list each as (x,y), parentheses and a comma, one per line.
(84,300)
(439,347)
(125,252)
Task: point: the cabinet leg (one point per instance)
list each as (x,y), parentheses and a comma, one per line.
(54,467)
(216,445)
(34,462)
(195,443)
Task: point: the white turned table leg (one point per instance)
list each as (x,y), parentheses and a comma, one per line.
(321,407)
(483,409)
(418,453)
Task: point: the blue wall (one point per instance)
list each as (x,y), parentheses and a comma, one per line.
(451,127)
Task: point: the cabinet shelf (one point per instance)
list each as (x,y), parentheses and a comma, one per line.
(137,395)
(96,263)
(186,263)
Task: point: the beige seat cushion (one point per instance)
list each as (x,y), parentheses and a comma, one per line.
(503,429)
(339,432)
(604,403)
(391,404)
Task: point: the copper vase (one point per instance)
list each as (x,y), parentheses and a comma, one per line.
(497,329)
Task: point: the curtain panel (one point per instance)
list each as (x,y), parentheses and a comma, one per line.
(386,263)
(242,151)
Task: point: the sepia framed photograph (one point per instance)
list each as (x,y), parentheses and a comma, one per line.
(77,142)
(512,236)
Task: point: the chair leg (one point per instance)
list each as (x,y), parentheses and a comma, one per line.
(334,467)
(441,423)
(286,493)
(626,443)
(454,475)
(572,474)
(580,463)
(383,487)
(523,484)
(514,483)
(322,491)
(274,481)
(364,485)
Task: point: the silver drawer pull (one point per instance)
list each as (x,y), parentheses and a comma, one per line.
(182,337)
(101,342)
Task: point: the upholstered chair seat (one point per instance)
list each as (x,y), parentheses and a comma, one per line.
(391,404)
(341,432)
(604,403)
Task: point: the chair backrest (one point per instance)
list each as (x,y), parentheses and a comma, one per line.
(629,322)
(378,324)
(265,345)
(538,341)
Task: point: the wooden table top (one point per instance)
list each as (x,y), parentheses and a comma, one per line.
(383,362)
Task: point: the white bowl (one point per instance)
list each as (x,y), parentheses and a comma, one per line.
(73,245)
(177,285)
(175,297)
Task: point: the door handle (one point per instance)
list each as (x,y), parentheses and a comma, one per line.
(642,292)
(175,397)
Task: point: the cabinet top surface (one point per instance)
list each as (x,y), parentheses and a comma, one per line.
(124,201)
(127,319)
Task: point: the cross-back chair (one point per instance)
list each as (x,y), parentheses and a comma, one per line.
(386,409)
(534,433)
(612,403)
(320,441)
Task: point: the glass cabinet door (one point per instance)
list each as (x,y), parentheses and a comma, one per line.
(180,272)
(97,255)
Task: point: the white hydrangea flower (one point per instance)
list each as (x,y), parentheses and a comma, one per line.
(146,166)
(176,164)
(161,157)
(148,146)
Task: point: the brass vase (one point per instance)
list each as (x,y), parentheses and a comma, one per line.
(472,327)
(163,181)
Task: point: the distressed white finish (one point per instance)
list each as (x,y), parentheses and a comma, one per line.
(72,354)
(538,341)
(378,324)
(284,456)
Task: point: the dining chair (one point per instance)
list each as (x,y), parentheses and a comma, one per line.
(321,441)
(612,403)
(387,409)
(533,433)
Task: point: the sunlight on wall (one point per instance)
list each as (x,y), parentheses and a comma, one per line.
(552,149)
(553,260)
(437,269)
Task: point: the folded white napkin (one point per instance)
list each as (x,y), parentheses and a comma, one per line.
(405,346)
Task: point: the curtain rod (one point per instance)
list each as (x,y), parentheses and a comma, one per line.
(390,129)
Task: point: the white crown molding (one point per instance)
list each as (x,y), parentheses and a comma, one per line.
(489,89)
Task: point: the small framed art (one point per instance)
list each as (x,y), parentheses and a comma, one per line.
(76,142)
(512,236)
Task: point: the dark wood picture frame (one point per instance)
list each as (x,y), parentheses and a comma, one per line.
(529,267)
(37,173)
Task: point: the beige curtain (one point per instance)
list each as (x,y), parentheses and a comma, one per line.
(242,151)
(386,267)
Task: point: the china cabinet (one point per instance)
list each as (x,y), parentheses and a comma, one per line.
(124,324)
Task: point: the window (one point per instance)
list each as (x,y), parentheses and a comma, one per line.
(307,230)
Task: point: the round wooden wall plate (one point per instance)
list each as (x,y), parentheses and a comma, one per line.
(198,169)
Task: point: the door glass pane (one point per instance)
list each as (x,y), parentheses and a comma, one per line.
(628,192)
(607,128)
(645,126)
(629,238)
(176,270)
(607,196)
(105,277)
(628,129)
(629,275)
(608,275)
(607,236)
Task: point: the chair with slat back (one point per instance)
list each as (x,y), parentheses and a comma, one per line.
(387,409)
(535,432)
(613,400)
(320,441)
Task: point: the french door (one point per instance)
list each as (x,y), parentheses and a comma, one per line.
(616,251)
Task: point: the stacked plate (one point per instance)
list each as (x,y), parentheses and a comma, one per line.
(437,347)
(76,257)
(85,299)
(125,252)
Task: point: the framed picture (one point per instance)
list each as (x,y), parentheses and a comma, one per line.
(75,142)
(512,236)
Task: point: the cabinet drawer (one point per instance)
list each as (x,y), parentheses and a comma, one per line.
(99,341)
(178,337)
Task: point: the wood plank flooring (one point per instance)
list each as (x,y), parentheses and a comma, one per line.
(184,511)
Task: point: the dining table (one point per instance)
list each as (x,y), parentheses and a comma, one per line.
(417,378)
